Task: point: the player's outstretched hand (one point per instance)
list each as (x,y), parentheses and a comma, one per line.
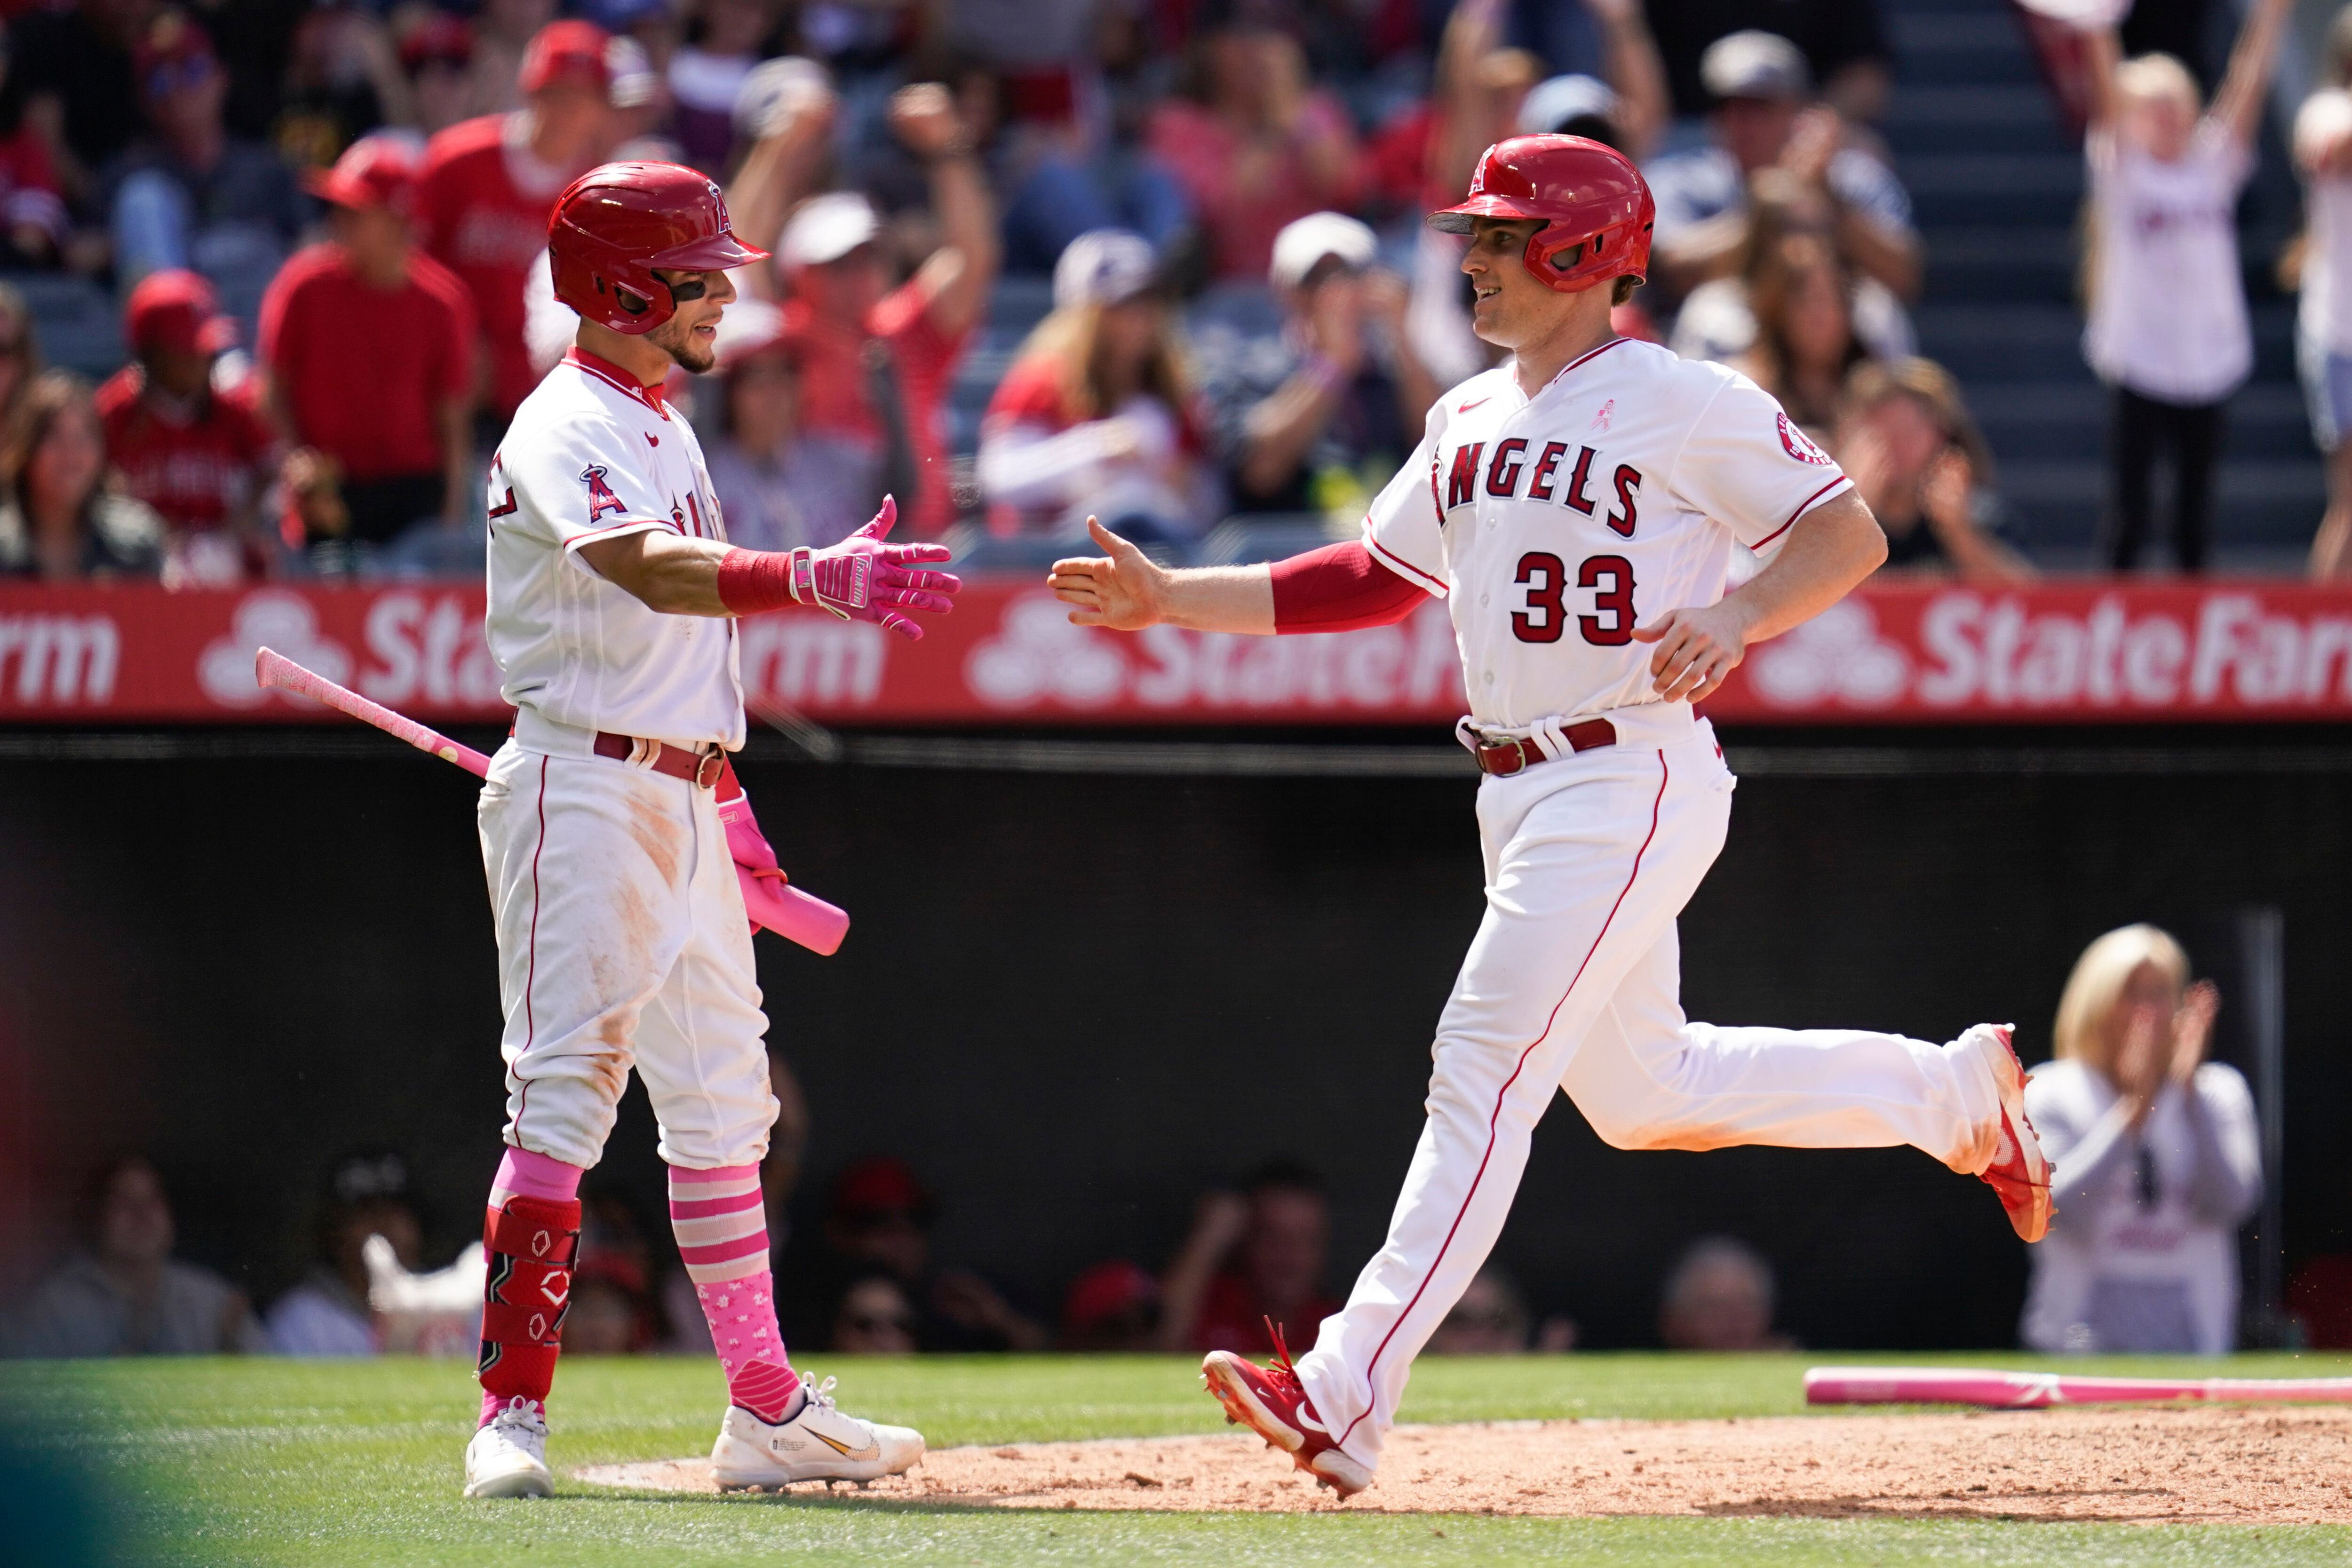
(1697,650)
(863,579)
(1121,589)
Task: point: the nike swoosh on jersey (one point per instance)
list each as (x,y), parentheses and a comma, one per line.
(1473,402)
(651,439)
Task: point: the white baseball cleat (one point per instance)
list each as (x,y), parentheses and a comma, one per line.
(509,1457)
(819,1444)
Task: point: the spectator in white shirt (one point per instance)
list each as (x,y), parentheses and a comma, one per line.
(2155,1159)
(328,1313)
(2323,337)
(2167,310)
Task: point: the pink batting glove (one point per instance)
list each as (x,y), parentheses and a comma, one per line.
(863,579)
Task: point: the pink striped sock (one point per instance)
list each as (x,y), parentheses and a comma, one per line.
(722,1235)
(523,1175)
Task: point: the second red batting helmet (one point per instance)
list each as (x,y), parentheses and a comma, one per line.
(619,222)
(1596,207)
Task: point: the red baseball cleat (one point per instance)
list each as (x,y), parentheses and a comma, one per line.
(2020,1172)
(1270,1402)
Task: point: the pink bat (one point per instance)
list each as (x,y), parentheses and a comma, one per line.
(773,901)
(2039,1390)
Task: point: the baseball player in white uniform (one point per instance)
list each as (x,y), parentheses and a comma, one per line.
(1579,508)
(623,937)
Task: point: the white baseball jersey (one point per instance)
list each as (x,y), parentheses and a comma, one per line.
(590,455)
(1556,524)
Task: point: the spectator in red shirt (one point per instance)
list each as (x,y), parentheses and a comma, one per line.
(198,458)
(839,306)
(1252,1255)
(1261,145)
(367,349)
(33,223)
(437,55)
(489,184)
(1097,416)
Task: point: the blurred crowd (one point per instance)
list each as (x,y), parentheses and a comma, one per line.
(1159,260)
(2154,1148)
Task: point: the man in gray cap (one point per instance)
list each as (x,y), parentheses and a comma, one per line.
(1765,117)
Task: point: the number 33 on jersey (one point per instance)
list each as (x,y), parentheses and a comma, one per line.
(1555,524)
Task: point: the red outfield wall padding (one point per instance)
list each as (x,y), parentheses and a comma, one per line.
(2064,652)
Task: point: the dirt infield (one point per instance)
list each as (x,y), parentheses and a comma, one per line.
(2136,1466)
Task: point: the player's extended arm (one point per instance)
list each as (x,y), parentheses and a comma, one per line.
(861,578)
(1829,550)
(1337,588)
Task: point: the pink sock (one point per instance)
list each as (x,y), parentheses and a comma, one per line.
(523,1175)
(722,1234)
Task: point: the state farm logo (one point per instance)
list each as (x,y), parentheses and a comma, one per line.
(2051,651)
(1836,657)
(1800,446)
(1037,654)
(271,619)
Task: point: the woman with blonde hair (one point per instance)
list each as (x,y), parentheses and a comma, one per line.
(1096,416)
(2155,1159)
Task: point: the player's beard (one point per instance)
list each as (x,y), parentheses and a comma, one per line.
(677,339)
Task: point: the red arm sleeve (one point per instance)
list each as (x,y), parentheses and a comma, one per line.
(1339,588)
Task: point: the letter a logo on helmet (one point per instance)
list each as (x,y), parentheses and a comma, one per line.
(1596,208)
(619,223)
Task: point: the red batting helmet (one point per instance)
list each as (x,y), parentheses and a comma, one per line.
(1597,209)
(618,222)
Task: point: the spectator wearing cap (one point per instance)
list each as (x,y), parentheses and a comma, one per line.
(489,184)
(1765,117)
(777,486)
(60,519)
(190,194)
(1111,1308)
(328,1313)
(1317,418)
(878,1223)
(437,54)
(198,456)
(367,351)
(32,222)
(1253,143)
(1843,42)
(1096,418)
(877,362)
(121,1292)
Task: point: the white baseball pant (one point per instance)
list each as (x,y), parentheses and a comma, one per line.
(1571,982)
(621,943)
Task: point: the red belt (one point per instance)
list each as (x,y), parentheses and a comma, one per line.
(1510,756)
(696,768)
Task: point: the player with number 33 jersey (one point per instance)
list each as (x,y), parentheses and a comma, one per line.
(1579,508)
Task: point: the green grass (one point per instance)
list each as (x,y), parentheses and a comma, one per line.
(312,1463)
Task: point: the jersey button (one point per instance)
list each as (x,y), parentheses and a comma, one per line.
(1490,678)
(1485,600)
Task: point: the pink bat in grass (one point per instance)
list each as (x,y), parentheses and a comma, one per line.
(768,898)
(2039,1390)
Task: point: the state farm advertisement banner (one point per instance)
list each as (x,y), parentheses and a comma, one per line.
(1893,653)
